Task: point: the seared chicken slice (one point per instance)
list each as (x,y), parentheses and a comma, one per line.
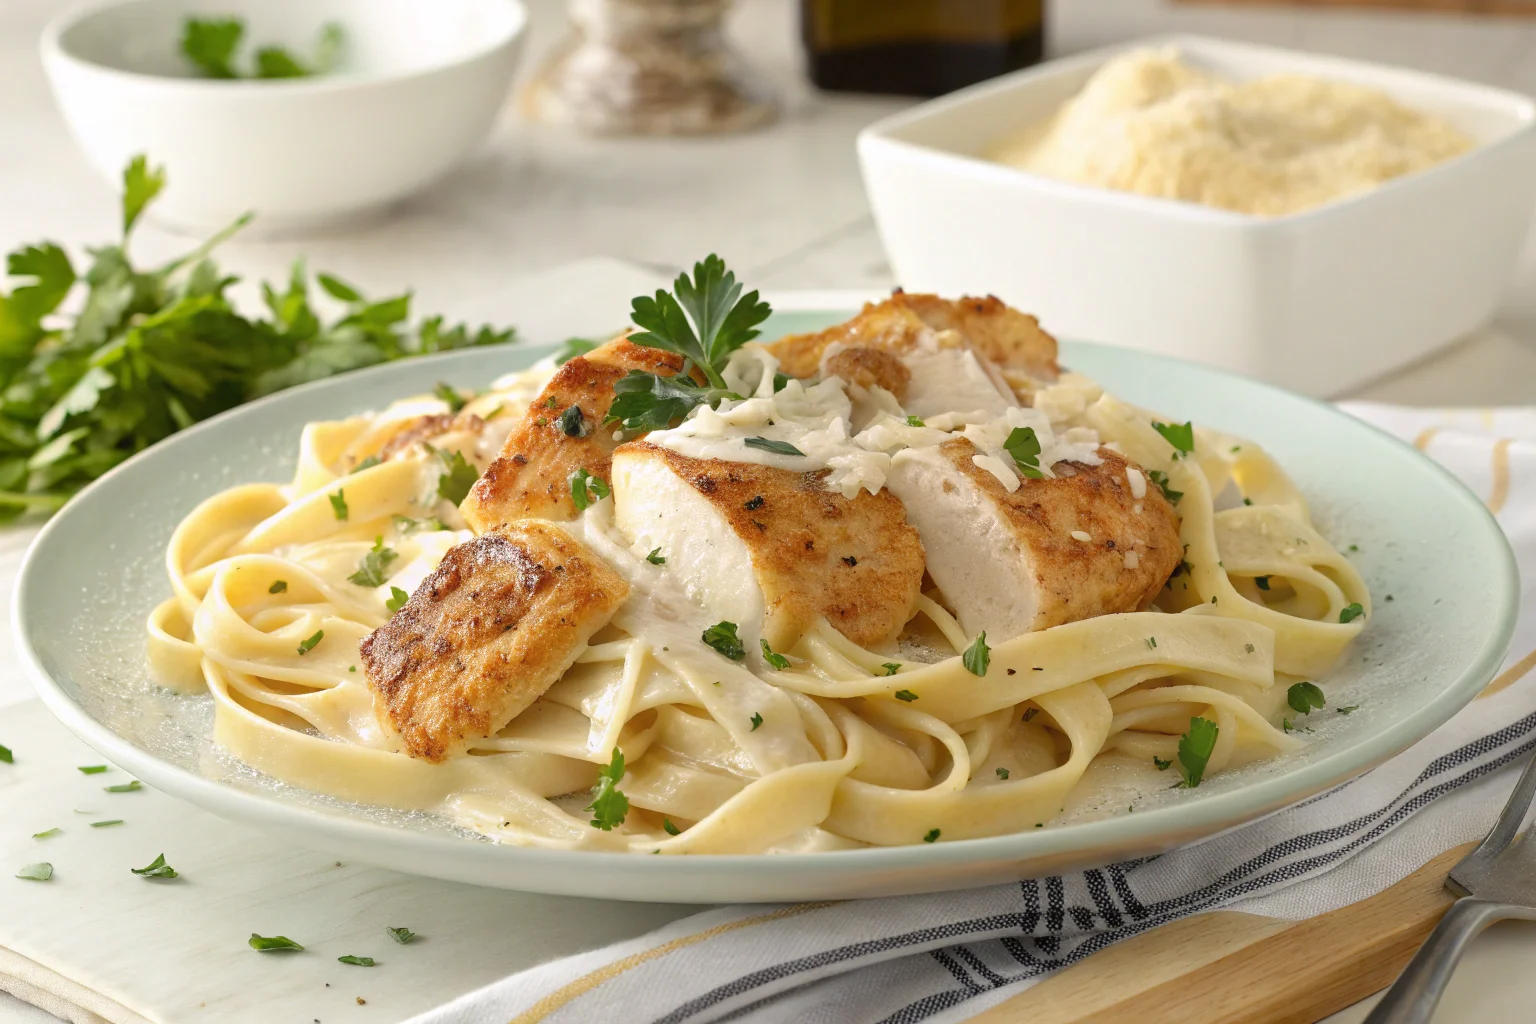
(502,617)
(1053,551)
(1008,338)
(866,367)
(771,549)
(531,476)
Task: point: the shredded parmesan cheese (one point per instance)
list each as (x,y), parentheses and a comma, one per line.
(1137,481)
(1082,536)
(1132,559)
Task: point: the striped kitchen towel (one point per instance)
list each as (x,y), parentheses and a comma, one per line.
(948,956)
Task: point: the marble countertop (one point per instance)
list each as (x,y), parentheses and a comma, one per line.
(784,205)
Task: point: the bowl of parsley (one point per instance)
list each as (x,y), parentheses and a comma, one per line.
(310,112)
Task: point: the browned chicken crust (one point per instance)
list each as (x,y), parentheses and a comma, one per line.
(1079,580)
(502,617)
(531,476)
(856,561)
(869,367)
(1009,338)
(424,428)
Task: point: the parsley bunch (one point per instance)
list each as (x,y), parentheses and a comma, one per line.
(151,351)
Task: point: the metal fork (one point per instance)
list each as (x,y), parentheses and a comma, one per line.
(1496,881)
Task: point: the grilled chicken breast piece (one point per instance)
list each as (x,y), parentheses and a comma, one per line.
(1006,337)
(502,617)
(1012,563)
(771,549)
(531,476)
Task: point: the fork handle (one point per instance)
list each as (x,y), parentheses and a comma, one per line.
(1413,997)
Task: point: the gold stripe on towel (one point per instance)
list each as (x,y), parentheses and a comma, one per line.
(1425,436)
(1500,493)
(1513,674)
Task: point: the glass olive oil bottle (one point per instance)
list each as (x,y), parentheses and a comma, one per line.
(918,47)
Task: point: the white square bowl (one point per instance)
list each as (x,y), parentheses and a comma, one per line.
(1317,301)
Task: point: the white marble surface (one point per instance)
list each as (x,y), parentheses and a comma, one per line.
(784,206)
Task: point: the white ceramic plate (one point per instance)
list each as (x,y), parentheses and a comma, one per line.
(97,569)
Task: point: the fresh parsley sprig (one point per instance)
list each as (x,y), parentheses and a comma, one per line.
(373,570)
(1195,749)
(1024,445)
(609,806)
(645,401)
(210,44)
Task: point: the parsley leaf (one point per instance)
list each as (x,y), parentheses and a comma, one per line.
(373,570)
(722,637)
(6,755)
(401,935)
(1160,478)
(397,599)
(757,720)
(1162,765)
(891,667)
(778,661)
(1024,446)
(91,769)
(210,43)
(106,824)
(305,646)
(48,833)
(932,836)
(776,447)
(339,505)
(36,872)
(1351,612)
(1180,435)
(722,318)
(158,868)
(1262,582)
(458,477)
(646,401)
(273,943)
(1303,697)
(573,422)
(1002,773)
(913,421)
(449,396)
(906,695)
(356,961)
(407,526)
(656,557)
(1195,748)
(132,786)
(587,490)
(977,657)
(609,806)
(1348,709)
(669,828)
(278,587)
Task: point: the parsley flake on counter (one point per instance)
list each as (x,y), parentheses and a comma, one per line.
(305,646)
(913,421)
(6,755)
(757,720)
(587,490)
(571,348)
(722,637)
(459,475)
(1180,435)
(669,828)
(106,824)
(372,570)
(158,868)
(1348,709)
(977,657)
(891,667)
(273,944)
(776,447)
(48,833)
(401,935)
(449,395)
(1002,773)
(773,658)
(656,557)
(1195,748)
(91,769)
(125,787)
(932,836)
(1262,582)
(356,961)
(906,695)
(1162,765)
(397,599)
(339,505)
(278,587)
(1024,446)
(1160,478)
(1303,697)
(609,806)
(572,422)
(36,872)
(1351,612)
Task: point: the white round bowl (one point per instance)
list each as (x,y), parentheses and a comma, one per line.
(418,85)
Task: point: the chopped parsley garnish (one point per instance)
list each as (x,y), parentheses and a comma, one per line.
(1030,713)
(669,828)
(757,720)
(1348,709)
(722,637)
(401,935)
(587,490)
(1354,547)
(771,657)
(91,769)
(1160,478)
(1303,697)
(1351,612)
(776,447)
(703,319)
(6,755)
(1162,765)
(449,396)
(48,833)
(891,667)
(1262,582)
(1002,773)
(1249,648)
(397,599)
(1180,435)
(458,477)
(977,657)
(278,587)
(573,422)
(158,868)
(1195,748)
(609,806)
(106,824)
(781,381)
(571,348)
(339,505)
(308,645)
(124,787)
(906,695)
(1024,446)
(407,526)
(36,872)
(1151,643)
(656,557)
(368,463)
(356,961)
(932,836)
(272,943)
(913,421)
(372,570)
